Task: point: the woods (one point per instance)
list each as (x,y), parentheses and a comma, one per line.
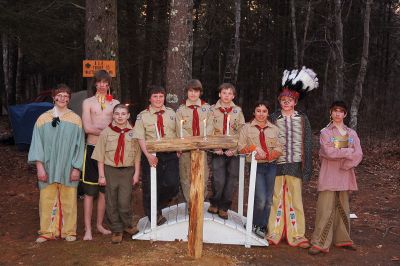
(351,44)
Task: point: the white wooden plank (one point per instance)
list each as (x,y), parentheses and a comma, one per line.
(250,201)
(181,214)
(153,201)
(242,161)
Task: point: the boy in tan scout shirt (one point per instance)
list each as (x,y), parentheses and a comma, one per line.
(118,158)
(263,136)
(158,121)
(191,116)
(227,120)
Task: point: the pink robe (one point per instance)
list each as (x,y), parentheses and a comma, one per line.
(337,165)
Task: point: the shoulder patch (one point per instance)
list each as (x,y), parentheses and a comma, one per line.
(138,117)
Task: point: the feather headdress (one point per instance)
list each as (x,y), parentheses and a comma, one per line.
(297,83)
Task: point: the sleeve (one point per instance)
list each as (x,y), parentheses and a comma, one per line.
(137,150)
(307,156)
(353,159)
(36,150)
(138,130)
(242,141)
(241,120)
(210,122)
(77,158)
(178,119)
(328,150)
(279,147)
(100,147)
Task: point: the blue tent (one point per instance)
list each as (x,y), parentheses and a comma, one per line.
(23,118)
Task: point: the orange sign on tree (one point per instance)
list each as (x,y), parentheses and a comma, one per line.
(91,66)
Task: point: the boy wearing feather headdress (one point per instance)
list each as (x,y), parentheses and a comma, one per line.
(295,164)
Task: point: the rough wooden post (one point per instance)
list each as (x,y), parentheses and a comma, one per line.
(195,238)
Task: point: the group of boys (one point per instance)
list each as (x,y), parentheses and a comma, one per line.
(113,160)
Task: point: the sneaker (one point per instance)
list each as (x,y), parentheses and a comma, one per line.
(259,231)
(213,209)
(40,239)
(314,251)
(116,238)
(131,230)
(223,214)
(70,238)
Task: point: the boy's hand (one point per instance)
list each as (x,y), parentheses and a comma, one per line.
(219,151)
(230,153)
(153,160)
(135,179)
(42,175)
(75,173)
(179,154)
(102,181)
(260,154)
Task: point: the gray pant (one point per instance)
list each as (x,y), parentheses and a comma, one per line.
(119,197)
(225,177)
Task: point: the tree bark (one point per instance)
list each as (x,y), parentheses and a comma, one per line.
(8,70)
(236,56)
(294,34)
(101,37)
(339,82)
(19,95)
(363,68)
(180,49)
(306,25)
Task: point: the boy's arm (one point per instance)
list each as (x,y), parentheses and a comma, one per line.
(355,157)
(135,178)
(41,172)
(102,179)
(150,157)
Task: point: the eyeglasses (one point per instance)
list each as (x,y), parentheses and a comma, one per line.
(62,95)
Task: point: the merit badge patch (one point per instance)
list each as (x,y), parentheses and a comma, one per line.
(235,111)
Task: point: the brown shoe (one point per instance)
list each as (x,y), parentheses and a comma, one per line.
(223,214)
(131,230)
(161,219)
(116,238)
(314,251)
(213,209)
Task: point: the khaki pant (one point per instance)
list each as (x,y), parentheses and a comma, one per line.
(185,174)
(332,222)
(287,214)
(58,211)
(119,197)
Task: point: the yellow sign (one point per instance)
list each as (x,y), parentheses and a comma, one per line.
(91,66)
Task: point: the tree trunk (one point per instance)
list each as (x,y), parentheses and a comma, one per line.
(338,93)
(236,56)
(19,94)
(101,37)
(306,25)
(179,54)
(8,70)
(363,68)
(294,34)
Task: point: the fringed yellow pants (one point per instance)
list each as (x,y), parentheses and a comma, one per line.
(57,211)
(287,214)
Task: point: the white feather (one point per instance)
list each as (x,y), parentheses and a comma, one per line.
(308,77)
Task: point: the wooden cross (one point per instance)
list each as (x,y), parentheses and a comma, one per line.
(196,145)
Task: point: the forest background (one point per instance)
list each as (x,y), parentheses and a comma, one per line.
(353,46)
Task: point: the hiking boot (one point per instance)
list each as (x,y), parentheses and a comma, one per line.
(131,230)
(116,238)
(213,209)
(259,231)
(314,251)
(223,214)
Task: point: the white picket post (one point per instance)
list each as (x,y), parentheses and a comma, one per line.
(250,201)
(241,184)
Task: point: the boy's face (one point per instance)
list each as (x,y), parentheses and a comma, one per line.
(121,116)
(226,96)
(287,103)
(61,100)
(261,113)
(338,114)
(102,86)
(193,95)
(157,100)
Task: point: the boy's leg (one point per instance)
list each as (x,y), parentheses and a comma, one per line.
(111,196)
(270,183)
(87,213)
(101,210)
(68,198)
(184,174)
(145,186)
(231,181)
(168,178)
(218,182)
(341,231)
(276,221)
(125,197)
(260,196)
(47,202)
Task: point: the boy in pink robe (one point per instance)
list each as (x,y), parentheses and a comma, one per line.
(340,152)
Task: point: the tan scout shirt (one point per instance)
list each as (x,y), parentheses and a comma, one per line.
(250,135)
(236,119)
(145,126)
(186,114)
(106,146)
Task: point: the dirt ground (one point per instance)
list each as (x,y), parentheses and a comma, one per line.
(376,231)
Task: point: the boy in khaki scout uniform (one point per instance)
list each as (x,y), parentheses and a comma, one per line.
(227,120)
(158,121)
(263,136)
(192,115)
(118,158)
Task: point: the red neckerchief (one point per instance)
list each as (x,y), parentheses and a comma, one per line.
(119,153)
(196,119)
(160,122)
(262,140)
(225,111)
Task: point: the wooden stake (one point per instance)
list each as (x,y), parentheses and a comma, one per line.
(195,238)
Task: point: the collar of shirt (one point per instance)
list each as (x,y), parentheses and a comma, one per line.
(128,125)
(153,111)
(332,126)
(198,103)
(218,104)
(253,123)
